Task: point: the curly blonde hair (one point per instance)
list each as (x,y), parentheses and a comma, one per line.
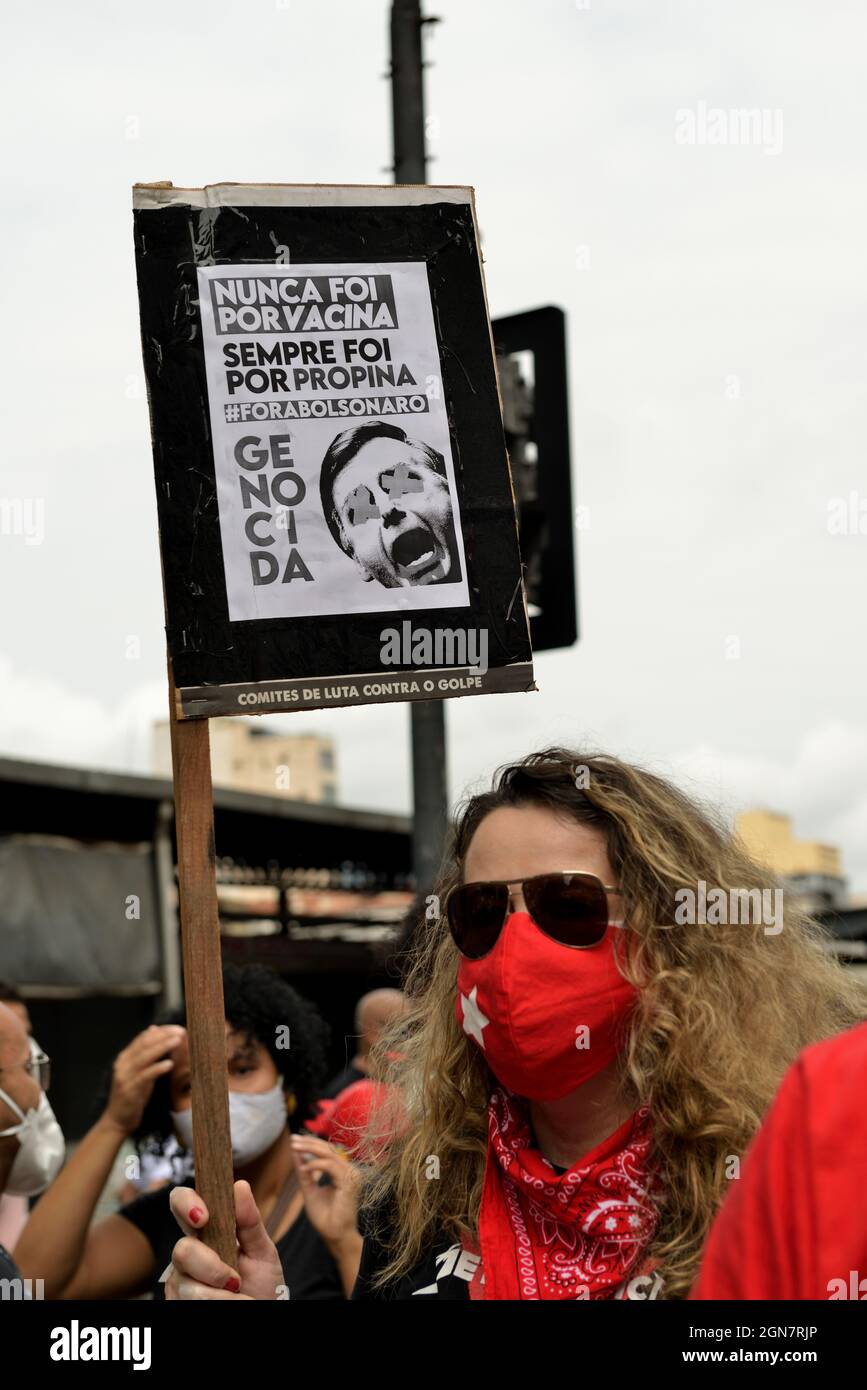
(722,1012)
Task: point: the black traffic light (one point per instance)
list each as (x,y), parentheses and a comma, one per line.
(531,362)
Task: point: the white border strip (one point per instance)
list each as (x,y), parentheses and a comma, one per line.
(297,195)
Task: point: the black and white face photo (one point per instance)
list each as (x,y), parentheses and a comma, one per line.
(394,514)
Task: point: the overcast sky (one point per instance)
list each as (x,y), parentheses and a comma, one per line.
(715,296)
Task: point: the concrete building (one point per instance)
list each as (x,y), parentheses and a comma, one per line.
(809,868)
(249,756)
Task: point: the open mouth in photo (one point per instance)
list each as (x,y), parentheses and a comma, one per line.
(415,552)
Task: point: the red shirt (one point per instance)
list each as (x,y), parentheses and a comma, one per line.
(344,1120)
(794,1225)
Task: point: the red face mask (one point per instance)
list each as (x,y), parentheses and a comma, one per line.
(547,1017)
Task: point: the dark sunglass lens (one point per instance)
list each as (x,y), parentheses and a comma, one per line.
(476,913)
(570,908)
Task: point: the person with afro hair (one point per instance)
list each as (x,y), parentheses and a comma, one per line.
(276,1051)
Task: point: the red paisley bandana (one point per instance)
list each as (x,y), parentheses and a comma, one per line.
(575,1235)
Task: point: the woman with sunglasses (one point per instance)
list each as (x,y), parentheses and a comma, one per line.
(580,1061)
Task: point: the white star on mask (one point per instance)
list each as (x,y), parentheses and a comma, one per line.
(474,1019)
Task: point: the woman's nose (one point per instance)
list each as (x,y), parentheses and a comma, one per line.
(516,899)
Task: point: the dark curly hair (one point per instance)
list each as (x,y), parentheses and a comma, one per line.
(257,1003)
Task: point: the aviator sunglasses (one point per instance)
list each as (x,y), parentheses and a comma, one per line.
(570,907)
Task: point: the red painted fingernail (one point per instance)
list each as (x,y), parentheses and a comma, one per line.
(195,1215)
(233,1284)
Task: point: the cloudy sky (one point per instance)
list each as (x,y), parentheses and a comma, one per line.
(715,295)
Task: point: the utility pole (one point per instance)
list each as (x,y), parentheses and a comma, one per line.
(429,794)
(407,92)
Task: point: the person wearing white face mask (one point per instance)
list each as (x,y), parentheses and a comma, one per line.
(271,1092)
(14,1210)
(31,1140)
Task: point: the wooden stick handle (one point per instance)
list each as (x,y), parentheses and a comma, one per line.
(203,976)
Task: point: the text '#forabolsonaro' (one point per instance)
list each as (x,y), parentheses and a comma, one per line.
(237,411)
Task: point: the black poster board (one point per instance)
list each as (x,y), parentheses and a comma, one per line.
(336,513)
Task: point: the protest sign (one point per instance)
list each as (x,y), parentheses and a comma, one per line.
(330,379)
(336,512)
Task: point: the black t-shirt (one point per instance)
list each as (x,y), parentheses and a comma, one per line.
(309,1271)
(445,1271)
